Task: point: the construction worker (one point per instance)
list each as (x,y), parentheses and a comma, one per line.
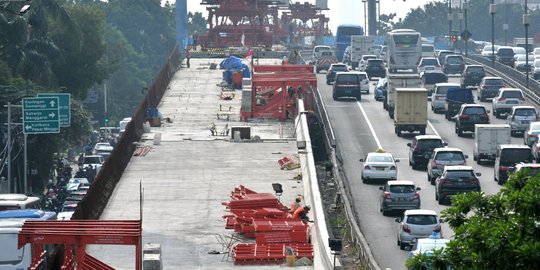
(301,213)
(188,57)
(295,205)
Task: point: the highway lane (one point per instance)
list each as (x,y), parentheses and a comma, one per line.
(355,139)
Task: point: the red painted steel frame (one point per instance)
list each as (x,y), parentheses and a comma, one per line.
(81,233)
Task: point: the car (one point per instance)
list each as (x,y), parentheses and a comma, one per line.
(489,87)
(334,68)
(375,68)
(347,56)
(442,55)
(379,166)
(65,215)
(431,77)
(428,62)
(103,147)
(325,60)
(453,63)
(421,147)
(426,246)
(317,50)
(94,161)
(438,98)
(442,157)
(75,183)
(536,69)
(399,195)
(455,180)
(531,134)
(520,118)
(428,50)
(521,63)
(536,51)
(363,61)
(489,50)
(506,157)
(415,224)
(380,89)
(506,99)
(348,84)
(364,81)
(470,115)
(531,169)
(505,55)
(472,75)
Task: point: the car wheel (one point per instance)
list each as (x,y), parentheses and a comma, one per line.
(398,242)
(398,132)
(441,200)
(432,181)
(402,246)
(359,97)
(423,131)
(498,114)
(328,82)
(335,97)
(460,132)
(436,196)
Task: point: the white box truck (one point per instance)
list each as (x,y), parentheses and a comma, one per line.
(360,45)
(398,81)
(411,110)
(486,139)
(12,258)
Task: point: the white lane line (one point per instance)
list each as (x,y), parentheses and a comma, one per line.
(369,124)
(433,128)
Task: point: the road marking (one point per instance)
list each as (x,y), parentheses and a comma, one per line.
(433,128)
(369,124)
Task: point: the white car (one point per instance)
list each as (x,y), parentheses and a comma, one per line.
(415,224)
(426,246)
(94,161)
(75,183)
(103,147)
(363,62)
(488,50)
(531,134)
(506,99)
(379,166)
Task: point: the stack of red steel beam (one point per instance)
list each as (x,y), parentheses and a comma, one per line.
(280,231)
(269,253)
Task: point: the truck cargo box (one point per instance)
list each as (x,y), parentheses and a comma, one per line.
(411,110)
(486,139)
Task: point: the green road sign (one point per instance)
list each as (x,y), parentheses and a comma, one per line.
(65,106)
(41,115)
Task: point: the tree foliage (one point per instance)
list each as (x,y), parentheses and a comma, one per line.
(500,231)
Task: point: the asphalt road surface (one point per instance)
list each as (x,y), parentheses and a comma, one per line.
(362,127)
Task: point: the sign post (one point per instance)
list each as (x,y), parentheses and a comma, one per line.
(41,115)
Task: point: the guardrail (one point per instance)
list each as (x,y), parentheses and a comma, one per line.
(513,77)
(365,256)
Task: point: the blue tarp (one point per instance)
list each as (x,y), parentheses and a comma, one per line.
(234,63)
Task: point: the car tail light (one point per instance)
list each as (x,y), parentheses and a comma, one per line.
(463,117)
(439,97)
(387,195)
(367,167)
(501,99)
(443,181)
(530,135)
(504,168)
(406,228)
(476,181)
(437,228)
(393,168)
(417,195)
(484,116)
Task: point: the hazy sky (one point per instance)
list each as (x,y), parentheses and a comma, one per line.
(346,11)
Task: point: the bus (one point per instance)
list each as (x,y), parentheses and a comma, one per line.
(11,222)
(404,50)
(19,201)
(343,37)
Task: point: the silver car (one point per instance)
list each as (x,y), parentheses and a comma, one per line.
(506,99)
(438,98)
(531,134)
(520,118)
(399,195)
(417,223)
(442,157)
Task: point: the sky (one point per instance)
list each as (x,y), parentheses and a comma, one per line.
(345,11)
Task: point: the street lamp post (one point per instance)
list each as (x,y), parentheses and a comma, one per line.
(365,15)
(460,18)
(492,10)
(449,19)
(526,22)
(465,7)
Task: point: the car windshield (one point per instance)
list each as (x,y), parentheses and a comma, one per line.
(92,160)
(459,174)
(454,60)
(430,62)
(522,58)
(494,82)
(422,219)
(525,112)
(375,62)
(531,170)
(505,52)
(444,89)
(429,144)
(379,159)
(474,110)
(475,70)
(363,76)
(339,68)
(450,156)
(347,79)
(512,94)
(427,48)
(510,156)
(402,188)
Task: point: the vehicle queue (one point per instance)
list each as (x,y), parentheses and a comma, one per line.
(447,167)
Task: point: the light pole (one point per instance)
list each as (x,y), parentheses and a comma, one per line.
(449,20)
(465,7)
(492,10)
(460,18)
(365,16)
(526,22)
(505,25)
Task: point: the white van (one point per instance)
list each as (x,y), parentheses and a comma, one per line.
(428,50)
(123,124)
(12,258)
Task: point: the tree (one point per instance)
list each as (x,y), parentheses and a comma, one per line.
(500,231)
(196,22)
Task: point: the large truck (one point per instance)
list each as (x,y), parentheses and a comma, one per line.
(398,80)
(360,45)
(522,42)
(411,110)
(486,139)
